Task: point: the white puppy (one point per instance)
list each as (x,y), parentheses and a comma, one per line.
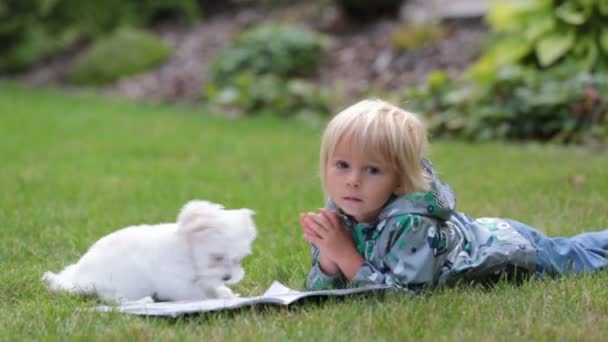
(188,260)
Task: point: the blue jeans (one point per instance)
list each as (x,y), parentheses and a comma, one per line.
(582,253)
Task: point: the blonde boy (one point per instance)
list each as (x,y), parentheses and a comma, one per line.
(390,220)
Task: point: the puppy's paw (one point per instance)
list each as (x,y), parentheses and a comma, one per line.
(224,292)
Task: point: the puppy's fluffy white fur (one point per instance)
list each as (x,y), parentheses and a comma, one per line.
(191,259)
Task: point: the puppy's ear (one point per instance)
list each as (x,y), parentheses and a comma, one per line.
(248,222)
(247,215)
(248,211)
(198,215)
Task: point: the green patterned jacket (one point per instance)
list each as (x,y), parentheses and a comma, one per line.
(419,240)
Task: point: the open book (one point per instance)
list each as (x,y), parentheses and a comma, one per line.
(276,294)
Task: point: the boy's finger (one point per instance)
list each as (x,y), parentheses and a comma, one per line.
(314,226)
(332,216)
(309,231)
(319,221)
(303,220)
(323,220)
(314,239)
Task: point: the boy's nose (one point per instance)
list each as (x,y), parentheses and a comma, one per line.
(353,180)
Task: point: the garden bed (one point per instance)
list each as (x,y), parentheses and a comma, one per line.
(360,59)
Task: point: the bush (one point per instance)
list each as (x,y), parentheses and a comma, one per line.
(544,78)
(126,52)
(560,105)
(33,29)
(546,33)
(22,39)
(93,18)
(278,49)
(264,70)
(272,94)
(35,44)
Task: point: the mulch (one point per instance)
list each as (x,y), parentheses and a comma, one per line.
(361,57)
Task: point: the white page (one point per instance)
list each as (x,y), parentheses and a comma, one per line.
(277,294)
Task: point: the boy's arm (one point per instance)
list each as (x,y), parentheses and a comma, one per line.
(318,279)
(410,260)
(327,266)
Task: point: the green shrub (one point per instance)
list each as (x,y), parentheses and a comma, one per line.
(559,105)
(35,44)
(264,70)
(33,29)
(15,17)
(546,33)
(269,93)
(279,49)
(93,18)
(543,78)
(124,53)
(22,39)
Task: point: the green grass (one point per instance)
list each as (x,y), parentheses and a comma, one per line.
(77,167)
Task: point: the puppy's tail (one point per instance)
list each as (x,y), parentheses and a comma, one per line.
(197,215)
(60,282)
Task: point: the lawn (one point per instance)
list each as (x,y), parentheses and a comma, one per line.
(75,167)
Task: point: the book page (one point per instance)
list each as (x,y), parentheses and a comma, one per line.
(277,294)
(175,309)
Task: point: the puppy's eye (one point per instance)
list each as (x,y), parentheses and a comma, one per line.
(217,258)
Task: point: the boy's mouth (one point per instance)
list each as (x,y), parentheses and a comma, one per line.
(351,199)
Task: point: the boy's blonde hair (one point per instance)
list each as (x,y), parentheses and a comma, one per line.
(385,130)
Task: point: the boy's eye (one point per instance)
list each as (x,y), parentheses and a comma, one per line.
(341,165)
(217,258)
(372,170)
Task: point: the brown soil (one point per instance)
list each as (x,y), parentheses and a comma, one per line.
(360,58)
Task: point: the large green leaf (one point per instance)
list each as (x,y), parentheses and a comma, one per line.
(507,15)
(505,52)
(511,50)
(539,24)
(553,46)
(501,16)
(574,12)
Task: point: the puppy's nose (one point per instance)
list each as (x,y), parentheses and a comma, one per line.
(226,277)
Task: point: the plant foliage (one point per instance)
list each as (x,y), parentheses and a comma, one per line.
(33,29)
(280,49)
(546,33)
(544,77)
(265,69)
(124,53)
(558,105)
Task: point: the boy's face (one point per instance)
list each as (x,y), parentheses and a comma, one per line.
(359,183)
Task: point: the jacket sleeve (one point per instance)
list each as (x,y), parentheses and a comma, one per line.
(409,260)
(317,279)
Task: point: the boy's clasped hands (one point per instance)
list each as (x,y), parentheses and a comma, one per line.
(337,251)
